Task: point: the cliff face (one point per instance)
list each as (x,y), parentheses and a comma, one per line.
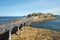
(29,33)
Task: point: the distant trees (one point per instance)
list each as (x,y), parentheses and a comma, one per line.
(45,16)
(41,15)
(34,14)
(29,15)
(50,15)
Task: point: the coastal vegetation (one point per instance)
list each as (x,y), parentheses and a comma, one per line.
(41,14)
(29,33)
(38,17)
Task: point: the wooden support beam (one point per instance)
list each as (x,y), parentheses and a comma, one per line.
(18,30)
(4,26)
(10,34)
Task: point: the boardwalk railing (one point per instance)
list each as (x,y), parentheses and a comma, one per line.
(11,24)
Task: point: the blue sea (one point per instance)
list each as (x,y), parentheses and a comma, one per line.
(48,24)
(8,18)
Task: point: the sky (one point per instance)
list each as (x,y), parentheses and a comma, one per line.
(24,7)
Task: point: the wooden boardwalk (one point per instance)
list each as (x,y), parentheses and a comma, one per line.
(14,23)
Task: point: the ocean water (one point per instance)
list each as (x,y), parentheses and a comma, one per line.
(8,18)
(49,24)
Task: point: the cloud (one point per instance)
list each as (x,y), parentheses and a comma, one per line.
(55,11)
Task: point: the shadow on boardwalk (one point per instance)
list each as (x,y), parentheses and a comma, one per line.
(5,36)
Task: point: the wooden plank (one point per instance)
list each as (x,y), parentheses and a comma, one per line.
(11,24)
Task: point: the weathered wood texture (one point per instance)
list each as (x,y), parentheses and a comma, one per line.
(17,22)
